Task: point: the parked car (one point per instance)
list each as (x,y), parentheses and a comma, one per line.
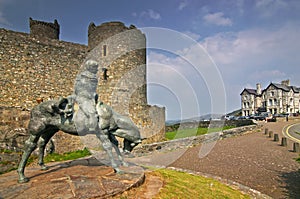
(229,117)
(242,118)
(280,115)
(261,116)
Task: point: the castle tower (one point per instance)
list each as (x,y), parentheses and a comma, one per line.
(43,29)
(121,54)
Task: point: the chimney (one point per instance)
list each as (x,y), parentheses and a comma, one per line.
(285,82)
(258,89)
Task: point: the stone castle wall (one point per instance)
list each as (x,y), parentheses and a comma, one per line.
(34,67)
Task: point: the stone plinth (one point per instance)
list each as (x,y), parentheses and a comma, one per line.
(84,178)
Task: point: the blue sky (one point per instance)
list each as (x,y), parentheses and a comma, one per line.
(249,41)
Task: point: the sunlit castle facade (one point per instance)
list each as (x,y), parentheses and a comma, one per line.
(276,98)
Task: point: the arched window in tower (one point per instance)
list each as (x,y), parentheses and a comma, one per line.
(104,50)
(104,72)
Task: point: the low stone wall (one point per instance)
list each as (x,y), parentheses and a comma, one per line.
(206,124)
(192,141)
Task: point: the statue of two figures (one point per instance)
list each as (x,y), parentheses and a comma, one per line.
(92,117)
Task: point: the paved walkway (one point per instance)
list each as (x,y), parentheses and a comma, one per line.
(254,160)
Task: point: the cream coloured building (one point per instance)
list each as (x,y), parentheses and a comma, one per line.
(276,98)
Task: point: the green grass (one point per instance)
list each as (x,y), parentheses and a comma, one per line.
(193,132)
(6,151)
(48,158)
(54,157)
(184,185)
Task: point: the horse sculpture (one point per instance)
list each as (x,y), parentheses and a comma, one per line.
(49,117)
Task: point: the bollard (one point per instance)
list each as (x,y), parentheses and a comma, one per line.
(283,142)
(270,134)
(266,131)
(276,137)
(296,147)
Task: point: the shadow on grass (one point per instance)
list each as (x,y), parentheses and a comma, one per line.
(292,181)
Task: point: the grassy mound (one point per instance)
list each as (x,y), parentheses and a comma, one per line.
(183,185)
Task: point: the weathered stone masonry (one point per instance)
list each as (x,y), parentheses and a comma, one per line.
(38,65)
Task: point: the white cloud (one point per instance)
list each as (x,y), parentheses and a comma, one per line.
(271,75)
(190,74)
(172,75)
(255,56)
(134,14)
(240,6)
(269,8)
(262,45)
(217,19)
(151,14)
(192,35)
(182,5)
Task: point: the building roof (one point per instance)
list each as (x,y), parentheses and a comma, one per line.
(250,91)
(276,85)
(295,89)
(284,87)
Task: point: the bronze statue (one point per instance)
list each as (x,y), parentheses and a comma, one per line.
(49,117)
(85,92)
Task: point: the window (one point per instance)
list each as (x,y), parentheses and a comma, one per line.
(275,102)
(105,76)
(104,50)
(270,102)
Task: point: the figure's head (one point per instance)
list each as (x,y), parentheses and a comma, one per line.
(91,66)
(132,139)
(129,145)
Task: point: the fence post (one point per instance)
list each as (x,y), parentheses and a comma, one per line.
(270,134)
(266,131)
(276,137)
(296,147)
(283,142)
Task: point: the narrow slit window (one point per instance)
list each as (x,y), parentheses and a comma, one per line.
(104,50)
(105,76)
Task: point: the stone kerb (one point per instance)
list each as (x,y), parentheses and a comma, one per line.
(191,141)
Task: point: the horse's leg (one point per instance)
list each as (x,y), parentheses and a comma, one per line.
(30,145)
(115,144)
(107,146)
(44,139)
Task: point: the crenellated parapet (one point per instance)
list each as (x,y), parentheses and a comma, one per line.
(43,29)
(98,34)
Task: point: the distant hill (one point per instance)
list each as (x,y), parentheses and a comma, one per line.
(236,112)
(206,117)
